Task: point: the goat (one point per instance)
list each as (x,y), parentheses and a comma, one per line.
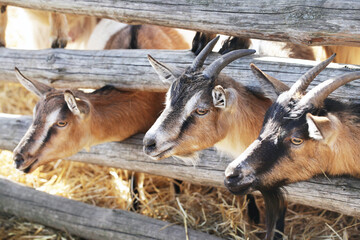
(262,47)
(205,108)
(303,135)
(81,113)
(61,29)
(110,34)
(206,98)
(344,54)
(66,121)
(3,24)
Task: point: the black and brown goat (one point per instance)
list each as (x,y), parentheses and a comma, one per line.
(303,135)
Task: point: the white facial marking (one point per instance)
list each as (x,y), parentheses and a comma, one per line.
(191,104)
(49,121)
(155,127)
(313,130)
(167,101)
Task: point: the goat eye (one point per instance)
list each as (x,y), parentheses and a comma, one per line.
(296,141)
(61,123)
(201,111)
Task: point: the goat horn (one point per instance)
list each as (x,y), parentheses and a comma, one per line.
(317,95)
(200,59)
(213,70)
(304,81)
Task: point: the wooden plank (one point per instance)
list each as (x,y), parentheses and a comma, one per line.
(299,21)
(338,194)
(130,69)
(84,220)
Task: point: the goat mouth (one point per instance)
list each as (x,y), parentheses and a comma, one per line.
(162,154)
(238,187)
(28,167)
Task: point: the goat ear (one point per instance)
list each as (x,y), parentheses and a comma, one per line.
(32,85)
(320,127)
(271,86)
(219,97)
(77,107)
(167,74)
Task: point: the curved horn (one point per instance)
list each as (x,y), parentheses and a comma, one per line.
(304,81)
(215,67)
(200,59)
(317,95)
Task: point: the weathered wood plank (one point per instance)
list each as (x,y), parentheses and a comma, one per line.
(130,69)
(84,220)
(338,194)
(300,21)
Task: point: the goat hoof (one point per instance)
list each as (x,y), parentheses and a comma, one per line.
(2,44)
(59,43)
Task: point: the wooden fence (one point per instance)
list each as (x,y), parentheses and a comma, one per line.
(300,21)
(308,22)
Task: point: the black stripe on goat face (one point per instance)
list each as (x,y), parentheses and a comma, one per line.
(41,143)
(271,160)
(185,95)
(188,121)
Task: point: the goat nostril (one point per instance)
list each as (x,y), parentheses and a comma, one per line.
(19,160)
(234,173)
(149,145)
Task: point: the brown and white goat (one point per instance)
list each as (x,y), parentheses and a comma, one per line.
(303,135)
(204,108)
(110,34)
(66,121)
(344,54)
(3,24)
(107,114)
(49,28)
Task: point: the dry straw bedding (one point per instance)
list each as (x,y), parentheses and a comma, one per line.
(212,210)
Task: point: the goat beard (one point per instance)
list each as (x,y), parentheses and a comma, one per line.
(275,209)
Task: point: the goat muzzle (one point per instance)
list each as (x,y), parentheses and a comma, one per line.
(149,145)
(18,160)
(237,182)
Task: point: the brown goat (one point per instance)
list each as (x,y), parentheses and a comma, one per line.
(107,114)
(202,111)
(59,28)
(3,24)
(110,34)
(66,121)
(344,54)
